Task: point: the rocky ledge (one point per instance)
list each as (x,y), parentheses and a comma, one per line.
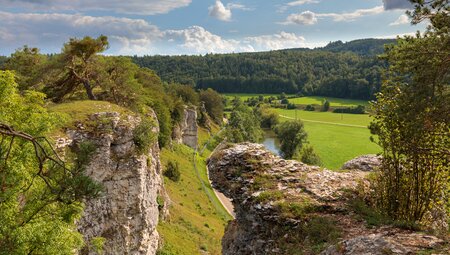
(287,207)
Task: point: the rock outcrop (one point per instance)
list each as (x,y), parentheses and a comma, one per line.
(287,207)
(186,132)
(363,163)
(127,213)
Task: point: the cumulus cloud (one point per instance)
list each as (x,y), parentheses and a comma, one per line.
(283,40)
(396,4)
(141,7)
(199,40)
(304,18)
(222,12)
(310,18)
(127,36)
(403,19)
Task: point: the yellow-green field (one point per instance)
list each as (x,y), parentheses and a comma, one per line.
(337,138)
(197,218)
(313,100)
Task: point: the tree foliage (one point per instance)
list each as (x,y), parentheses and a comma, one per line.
(412,119)
(40,195)
(292,136)
(243,125)
(331,71)
(213,104)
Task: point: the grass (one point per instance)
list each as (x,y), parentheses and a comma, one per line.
(196,224)
(80,110)
(317,100)
(313,100)
(336,144)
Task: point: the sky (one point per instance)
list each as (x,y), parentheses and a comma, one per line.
(176,27)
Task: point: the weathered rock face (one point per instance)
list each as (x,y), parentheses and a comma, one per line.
(187,131)
(363,163)
(282,206)
(127,213)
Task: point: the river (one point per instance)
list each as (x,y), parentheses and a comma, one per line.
(271,141)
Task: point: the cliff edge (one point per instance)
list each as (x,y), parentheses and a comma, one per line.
(287,207)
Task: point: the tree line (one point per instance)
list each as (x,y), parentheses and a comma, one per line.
(345,70)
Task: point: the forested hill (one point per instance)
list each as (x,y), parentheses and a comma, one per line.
(346,70)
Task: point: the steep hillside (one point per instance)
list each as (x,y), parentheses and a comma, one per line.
(197,219)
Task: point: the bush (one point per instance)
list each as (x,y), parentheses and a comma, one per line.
(292,136)
(325,106)
(172,171)
(360,109)
(310,108)
(143,136)
(291,106)
(284,101)
(309,156)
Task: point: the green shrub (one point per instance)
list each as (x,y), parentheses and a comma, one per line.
(143,136)
(98,244)
(309,156)
(310,108)
(325,106)
(172,171)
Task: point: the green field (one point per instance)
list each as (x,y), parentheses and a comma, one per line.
(197,218)
(314,100)
(333,140)
(333,101)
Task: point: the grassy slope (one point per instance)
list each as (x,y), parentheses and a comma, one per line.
(196,224)
(336,144)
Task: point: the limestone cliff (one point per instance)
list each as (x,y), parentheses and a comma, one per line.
(287,207)
(126,215)
(186,132)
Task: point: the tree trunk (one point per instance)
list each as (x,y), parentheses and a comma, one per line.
(89,92)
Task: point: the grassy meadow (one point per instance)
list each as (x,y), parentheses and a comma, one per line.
(313,100)
(337,138)
(197,218)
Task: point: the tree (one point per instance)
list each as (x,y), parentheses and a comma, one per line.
(309,156)
(28,65)
(412,119)
(78,63)
(243,125)
(41,196)
(325,106)
(213,104)
(292,136)
(268,117)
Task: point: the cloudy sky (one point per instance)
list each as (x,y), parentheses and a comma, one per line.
(168,27)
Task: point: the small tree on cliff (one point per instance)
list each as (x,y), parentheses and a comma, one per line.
(79,66)
(412,118)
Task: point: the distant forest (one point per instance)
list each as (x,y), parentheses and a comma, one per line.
(345,70)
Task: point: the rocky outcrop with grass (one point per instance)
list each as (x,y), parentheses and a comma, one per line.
(368,163)
(287,207)
(126,162)
(186,132)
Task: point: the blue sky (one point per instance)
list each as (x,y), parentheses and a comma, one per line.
(147,27)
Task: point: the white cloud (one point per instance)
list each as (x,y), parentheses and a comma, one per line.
(350,16)
(403,19)
(128,36)
(283,40)
(219,11)
(199,40)
(310,18)
(304,18)
(302,2)
(142,7)
(222,12)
